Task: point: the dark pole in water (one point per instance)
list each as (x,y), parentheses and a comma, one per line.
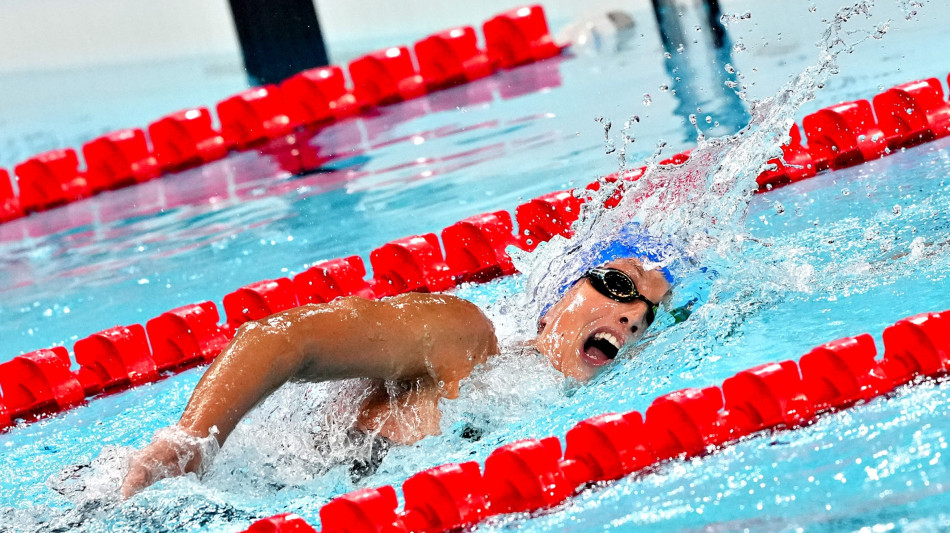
(714,19)
(669,12)
(667,18)
(700,66)
(279,38)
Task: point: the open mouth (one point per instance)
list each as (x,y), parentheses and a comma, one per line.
(602,347)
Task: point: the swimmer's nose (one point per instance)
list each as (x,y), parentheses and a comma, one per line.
(624,320)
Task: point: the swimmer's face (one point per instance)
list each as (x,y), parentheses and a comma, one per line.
(585,330)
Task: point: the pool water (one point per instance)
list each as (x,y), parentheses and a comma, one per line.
(834,256)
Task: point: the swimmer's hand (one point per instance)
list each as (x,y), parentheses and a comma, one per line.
(173,452)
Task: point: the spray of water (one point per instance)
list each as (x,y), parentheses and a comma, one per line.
(697,209)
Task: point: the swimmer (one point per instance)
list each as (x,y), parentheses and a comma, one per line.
(428,341)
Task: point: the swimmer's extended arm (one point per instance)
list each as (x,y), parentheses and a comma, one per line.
(406,337)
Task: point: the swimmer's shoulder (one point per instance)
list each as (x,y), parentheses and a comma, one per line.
(412,305)
(450,318)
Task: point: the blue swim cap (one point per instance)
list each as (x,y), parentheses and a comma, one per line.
(634,241)
(631,241)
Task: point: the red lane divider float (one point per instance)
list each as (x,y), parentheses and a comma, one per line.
(259,300)
(846,134)
(917,345)
(318,96)
(332,279)
(843,372)
(410,264)
(118,159)
(50,179)
(442,498)
(475,247)
(518,37)
(913,113)
(186,336)
(39,382)
(253,117)
(797,163)
(451,57)
(544,217)
(116,358)
(533,474)
(385,77)
(186,139)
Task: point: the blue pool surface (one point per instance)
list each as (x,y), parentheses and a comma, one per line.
(844,253)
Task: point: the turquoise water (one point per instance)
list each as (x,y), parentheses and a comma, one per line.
(837,255)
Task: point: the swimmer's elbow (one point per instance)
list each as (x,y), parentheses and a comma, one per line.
(480,332)
(271,346)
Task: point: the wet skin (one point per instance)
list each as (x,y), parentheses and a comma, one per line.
(428,341)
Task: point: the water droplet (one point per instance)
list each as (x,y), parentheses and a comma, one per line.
(664,87)
(897,210)
(647,99)
(730,69)
(779,208)
(812,8)
(708,119)
(846,191)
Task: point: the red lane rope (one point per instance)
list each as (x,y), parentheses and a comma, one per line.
(311,99)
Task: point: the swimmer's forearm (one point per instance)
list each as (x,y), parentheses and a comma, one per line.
(253,365)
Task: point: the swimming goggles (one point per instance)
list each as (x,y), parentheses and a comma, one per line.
(617,285)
